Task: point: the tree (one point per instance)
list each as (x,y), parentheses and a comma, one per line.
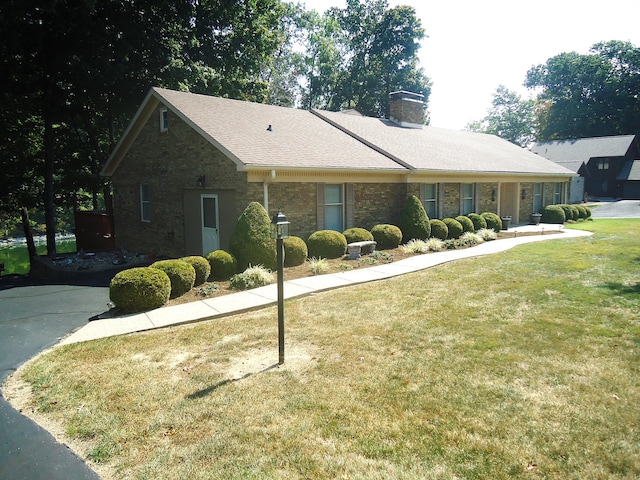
(510,117)
(77,69)
(589,95)
(362,53)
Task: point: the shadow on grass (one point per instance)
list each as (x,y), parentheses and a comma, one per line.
(209,390)
(621,289)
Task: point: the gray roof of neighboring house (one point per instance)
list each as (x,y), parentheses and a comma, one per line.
(300,139)
(438,149)
(630,171)
(578,151)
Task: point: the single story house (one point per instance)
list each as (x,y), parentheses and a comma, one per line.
(188,165)
(609,167)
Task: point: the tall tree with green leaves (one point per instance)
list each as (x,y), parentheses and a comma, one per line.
(510,117)
(589,95)
(77,70)
(378,46)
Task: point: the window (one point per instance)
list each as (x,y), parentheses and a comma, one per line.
(334,207)
(603,164)
(558,191)
(430,199)
(164,120)
(466,198)
(145,203)
(537,197)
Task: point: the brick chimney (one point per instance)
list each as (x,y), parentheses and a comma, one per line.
(406,109)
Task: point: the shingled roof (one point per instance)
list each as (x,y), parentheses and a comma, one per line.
(573,153)
(439,149)
(259,136)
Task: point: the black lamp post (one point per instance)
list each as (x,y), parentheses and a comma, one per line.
(280,231)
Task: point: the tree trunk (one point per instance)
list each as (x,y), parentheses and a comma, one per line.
(31,246)
(49,153)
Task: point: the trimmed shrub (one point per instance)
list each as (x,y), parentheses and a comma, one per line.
(453,226)
(439,229)
(181,274)
(251,242)
(139,289)
(478,221)
(582,212)
(414,222)
(386,236)
(467,224)
(201,266)
(588,212)
(295,251)
(575,212)
(223,265)
(494,222)
(326,244)
(568,213)
(553,214)
(252,277)
(357,235)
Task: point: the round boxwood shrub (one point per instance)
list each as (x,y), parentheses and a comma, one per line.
(575,212)
(326,244)
(295,251)
(478,222)
(552,214)
(414,222)
(251,242)
(582,212)
(181,274)
(140,289)
(223,265)
(357,235)
(454,227)
(201,266)
(467,224)
(439,229)
(568,213)
(494,222)
(386,236)
(588,212)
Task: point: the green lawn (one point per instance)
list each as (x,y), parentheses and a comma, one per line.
(16,258)
(523,364)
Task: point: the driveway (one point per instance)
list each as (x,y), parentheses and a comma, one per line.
(619,209)
(32,319)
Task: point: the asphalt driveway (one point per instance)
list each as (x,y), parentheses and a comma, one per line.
(32,319)
(619,209)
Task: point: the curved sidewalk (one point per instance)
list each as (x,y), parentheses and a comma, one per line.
(267,296)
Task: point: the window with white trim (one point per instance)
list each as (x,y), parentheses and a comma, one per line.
(467,191)
(164,120)
(145,203)
(603,164)
(537,197)
(334,207)
(430,199)
(558,191)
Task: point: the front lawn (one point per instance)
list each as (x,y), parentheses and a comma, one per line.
(522,364)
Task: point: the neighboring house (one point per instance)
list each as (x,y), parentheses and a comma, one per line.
(188,165)
(608,166)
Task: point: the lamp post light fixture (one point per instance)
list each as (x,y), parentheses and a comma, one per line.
(280,231)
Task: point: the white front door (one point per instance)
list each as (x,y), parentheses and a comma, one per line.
(209,216)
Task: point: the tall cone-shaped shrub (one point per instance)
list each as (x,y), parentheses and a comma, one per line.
(251,242)
(414,221)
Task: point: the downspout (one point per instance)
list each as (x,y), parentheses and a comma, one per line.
(265,185)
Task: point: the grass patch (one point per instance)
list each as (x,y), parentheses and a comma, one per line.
(16,257)
(519,365)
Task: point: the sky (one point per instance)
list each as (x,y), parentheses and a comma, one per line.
(472,46)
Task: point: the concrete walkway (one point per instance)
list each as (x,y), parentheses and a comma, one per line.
(267,296)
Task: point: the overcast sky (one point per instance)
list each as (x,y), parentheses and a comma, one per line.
(475,46)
